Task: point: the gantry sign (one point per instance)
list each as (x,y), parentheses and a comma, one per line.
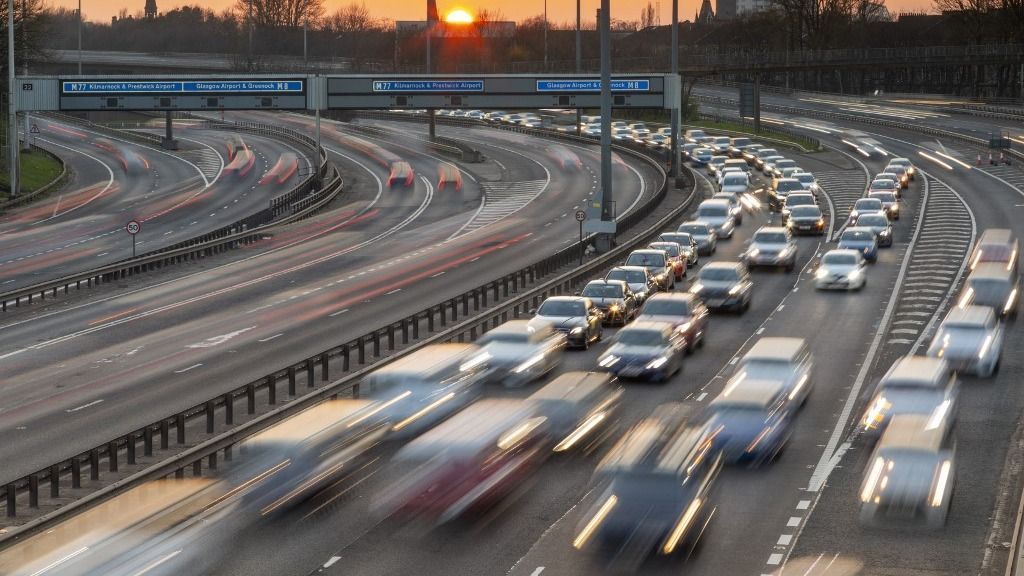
(270,92)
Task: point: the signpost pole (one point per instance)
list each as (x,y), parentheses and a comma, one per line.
(674,133)
(579,66)
(12,111)
(581,215)
(606,113)
(316,178)
(133,227)
(133,245)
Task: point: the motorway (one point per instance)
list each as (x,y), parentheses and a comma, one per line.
(109,361)
(173,195)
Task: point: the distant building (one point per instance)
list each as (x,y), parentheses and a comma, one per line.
(706,15)
(725,8)
(733,8)
(150,9)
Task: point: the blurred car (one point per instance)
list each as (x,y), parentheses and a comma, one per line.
(518,353)
(684,312)
(580,408)
(780,190)
(735,183)
(676,257)
(883,186)
(879,223)
(903,180)
(751,420)
(242,162)
(796,199)
(771,246)
(809,182)
(762,154)
(657,263)
(720,144)
(970,339)
(780,359)
(622,134)
(448,175)
(468,464)
(912,385)
(694,136)
(806,220)
(890,204)
(750,152)
(645,350)
(640,135)
(703,233)
(724,285)
(789,172)
(991,284)
(738,163)
(911,473)
(614,299)
(401,174)
(233,144)
(656,141)
(716,163)
(725,171)
(566,158)
(841,269)
(655,492)
(718,215)
(737,145)
(735,208)
(575,316)
(686,243)
(701,156)
(494,115)
(996,245)
(865,206)
(768,164)
(862,240)
(907,164)
(638,278)
(423,388)
(780,166)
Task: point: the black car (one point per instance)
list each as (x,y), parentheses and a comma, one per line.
(724,286)
(806,220)
(613,298)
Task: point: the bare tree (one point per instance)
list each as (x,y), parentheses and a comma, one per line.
(31,27)
(280,13)
(647,16)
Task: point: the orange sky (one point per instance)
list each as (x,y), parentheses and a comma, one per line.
(558,10)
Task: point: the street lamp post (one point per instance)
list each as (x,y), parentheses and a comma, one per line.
(545,35)
(674,131)
(12,111)
(579,65)
(79,37)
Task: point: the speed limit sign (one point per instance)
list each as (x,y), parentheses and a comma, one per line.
(133,227)
(581,215)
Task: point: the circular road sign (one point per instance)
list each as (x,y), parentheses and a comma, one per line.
(581,215)
(133,227)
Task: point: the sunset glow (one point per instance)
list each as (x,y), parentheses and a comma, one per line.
(459,17)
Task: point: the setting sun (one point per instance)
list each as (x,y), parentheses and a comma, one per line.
(459,17)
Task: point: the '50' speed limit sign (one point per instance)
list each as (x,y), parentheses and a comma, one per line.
(133,227)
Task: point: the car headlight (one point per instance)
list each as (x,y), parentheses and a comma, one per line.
(614,308)
(854,274)
(734,290)
(876,413)
(820,273)
(821,222)
(577,330)
(696,288)
(753,252)
(608,361)
(533,361)
(885,232)
(684,327)
(657,363)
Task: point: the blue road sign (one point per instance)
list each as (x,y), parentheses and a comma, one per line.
(180,87)
(588,85)
(428,85)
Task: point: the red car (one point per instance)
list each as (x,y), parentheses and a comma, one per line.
(449,175)
(675,257)
(401,174)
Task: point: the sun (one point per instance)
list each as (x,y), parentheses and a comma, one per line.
(459,16)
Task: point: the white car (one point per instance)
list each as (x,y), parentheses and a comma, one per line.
(718,215)
(735,182)
(970,338)
(841,269)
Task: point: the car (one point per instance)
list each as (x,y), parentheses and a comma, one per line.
(970,339)
(638,126)
(622,134)
(518,353)
(738,163)
(566,158)
(780,165)
(720,144)
(724,285)
(750,152)
(796,199)
(408,388)
(865,205)
(703,233)
(687,149)
(752,420)
(715,164)
(574,316)
(991,284)
(619,124)
(694,136)
(879,223)
(780,359)
(906,163)
(882,186)
(762,154)
(911,473)
(401,174)
(891,177)
(657,263)
(658,141)
(449,175)
(718,215)
(738,145)
(771,246)
(996,245)
(890,203)
(686,243)
(675,256)
(654,492)
(841,269)
(685,312)
(768,164)
(863,240)
(645,350)
(725,171)
(614,299)
(789,172)
(806,219)
(475,114)
(735,208)
(735,183)
(912,385)
(580,408)
(809,182)
(468,464)
(901,172)
(638,278)
(782,188)
(701,156)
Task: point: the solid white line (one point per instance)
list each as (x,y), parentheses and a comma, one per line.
(438,274)
(183,370)
(702,396)
(537,571)
(269,338)
(84,406)
(395,291)
(59,561)
(157,562)
(332,561)
(338,313)
(110,180)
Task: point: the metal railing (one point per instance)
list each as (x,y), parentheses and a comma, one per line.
(363,352)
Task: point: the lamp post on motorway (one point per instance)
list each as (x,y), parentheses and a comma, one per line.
(579,64)
(12,111)
(674,131)
(79,37)
(545,35)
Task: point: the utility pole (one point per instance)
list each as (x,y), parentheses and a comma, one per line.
(674,132)
(79,37)
(305,42)
(606,119)
(545,35)
(579,64)
(24,68)
(12,111)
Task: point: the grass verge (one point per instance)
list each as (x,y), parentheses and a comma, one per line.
(37,170)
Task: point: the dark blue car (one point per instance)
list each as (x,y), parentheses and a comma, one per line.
(862,240)
(751,420)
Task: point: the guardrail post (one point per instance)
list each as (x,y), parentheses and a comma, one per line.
(416,326)
(495,288)
(112,455)
(272,389)
(209,416)
(229,409)
(310,378)
(323,367)
(430,320)
(94,464)
(179,422)
(147,441)
(472,333)
(227,453)
(376,344)
(465,304)
(476,300)
(179,473)
(55,481)
(442,310)
(504,286)
(165,434)
(250,396)
(391,336)
(211,461)
(483,296)
(76,472)
(33,491)
(291,380)
(131,447)
(455,310)
(405,331)
(197,468)
(11,502)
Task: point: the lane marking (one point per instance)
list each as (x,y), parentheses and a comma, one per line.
(774,559)
(183,370)
(83,406)
(784,540)
(537,571)
(269,338)
(332,561)
(793,521)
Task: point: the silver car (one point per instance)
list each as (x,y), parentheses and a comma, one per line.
(639,280)
(970,339)
(913,385)
(771,246)
(718,215)
(519,353)
(657,263)
(574,316)
(687,244)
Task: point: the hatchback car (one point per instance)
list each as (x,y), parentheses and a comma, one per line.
(574,316)
(752,420)
(901,173)
(782,188)
(780,359)
(863,240)
(519,353)
(724,285)
(645,350)
(685,312)
(676,257)
(970,339)
(613,298)
(703,233)
(771,246)
(907,164)
(735,183)
(865,206)
(401,174)
(796,199)
(879,223)
(996,245)
(657,263)
(806,220)
(809,182)
(890,203)
(841,269)
(717,214)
